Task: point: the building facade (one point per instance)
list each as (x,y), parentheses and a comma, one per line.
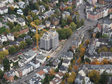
(50,40)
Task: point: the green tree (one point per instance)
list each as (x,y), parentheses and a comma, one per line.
(64,33)
(63,22)
(12,50)
(22,45)
(94,76)
(73,26)
(6,64)
(29,42)
(1,74)
(104,78)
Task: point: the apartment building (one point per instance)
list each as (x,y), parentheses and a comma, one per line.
(50,40)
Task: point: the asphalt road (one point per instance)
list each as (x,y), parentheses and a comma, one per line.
(68,43)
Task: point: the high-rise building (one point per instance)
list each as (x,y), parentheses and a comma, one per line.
(49,40)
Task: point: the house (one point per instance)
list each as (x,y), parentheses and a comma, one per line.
(27,57)
(79,2)
(65,14)
(11,1)
(1,67)
(35,64)
(55,1)
(11,18)
(40,27)
(23,31)
(63,6)
(66,62)
(55,80)
(21,4)
(3,38)
(55,63)
(41,8)
(10,37)
(20,12)
(21,21)
(92,2)
(107,23)
(25,70)
(63,69)
(27,37)
(48,13)
(3,10)
(67,55)
(55,21)
(13,5)
(41,58)
(41,74)
(69,2)
(9,76)
(34,80)
(100,57)
(101,68)
(35,12)
(47,23)
(59,75)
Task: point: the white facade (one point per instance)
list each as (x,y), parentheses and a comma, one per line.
(3,38)
(3,10)
(10,37)
(35,65)
(25,70)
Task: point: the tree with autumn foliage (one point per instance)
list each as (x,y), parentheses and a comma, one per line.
(105,61)
(79,60)
(75,67)
(95,62)
(52,72)
(87,41)
(71,78)
(94,76)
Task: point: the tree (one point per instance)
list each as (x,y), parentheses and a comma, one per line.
(73,26)
(105,61)
(12,50)
(82,22)
(22,45)
(69,68)
(6,64)
(3,54)
(94,76)
(79,60)
(1,74)
(82,51)
(87,41)
(75,67)
(71,78)
(87,60)
(28,42)
(104,78)
(63,22)
(64,33)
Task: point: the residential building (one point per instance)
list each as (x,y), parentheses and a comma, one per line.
(56,80)
(21,21)
(50,40)
(10,37)
(41,58)
(3,10)
(41,8)
(25,70)
(9,76)
(3,38)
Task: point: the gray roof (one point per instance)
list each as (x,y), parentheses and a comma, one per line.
(96,67)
